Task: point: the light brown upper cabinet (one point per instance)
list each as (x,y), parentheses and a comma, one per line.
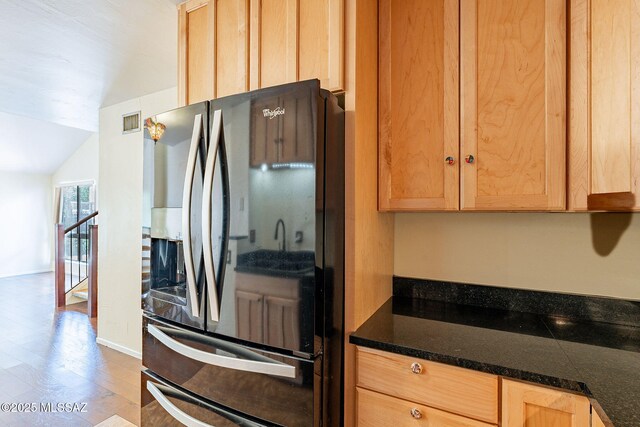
(418,104)
(497,144)
(213,46)
(231,46)
(513,103)
(604,130)
(295,40)
(195,55)
(534,406)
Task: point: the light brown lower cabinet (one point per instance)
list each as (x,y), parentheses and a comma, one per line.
(377,409)
(527,405)
(464,392)
(396,390)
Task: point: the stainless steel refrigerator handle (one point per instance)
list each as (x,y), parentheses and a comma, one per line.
(209,269)
(269,368)
(172,409)
(186,215)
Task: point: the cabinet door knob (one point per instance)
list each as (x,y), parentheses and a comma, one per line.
(450,160)
(415,413)
(416,368)
(469,158)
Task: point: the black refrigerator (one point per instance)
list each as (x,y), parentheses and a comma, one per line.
(243,261)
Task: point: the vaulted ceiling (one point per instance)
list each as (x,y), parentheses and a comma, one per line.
(62,60)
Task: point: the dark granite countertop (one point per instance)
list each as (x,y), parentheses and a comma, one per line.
(598,359)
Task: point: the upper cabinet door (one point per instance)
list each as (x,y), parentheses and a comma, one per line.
(231,44)
(295,40)
(195,53)
(513,62)
(604,133)
(418,105)
(321,42)
(213,45)
(274,42)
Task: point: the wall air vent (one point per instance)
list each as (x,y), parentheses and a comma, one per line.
(131,123)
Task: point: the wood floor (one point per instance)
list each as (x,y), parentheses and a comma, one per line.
(51,356)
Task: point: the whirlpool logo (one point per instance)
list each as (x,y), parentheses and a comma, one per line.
(272,114)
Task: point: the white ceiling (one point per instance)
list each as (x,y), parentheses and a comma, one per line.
(62,60)
(36,146)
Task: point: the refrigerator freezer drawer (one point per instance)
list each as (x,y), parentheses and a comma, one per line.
(162,404)
(275,388)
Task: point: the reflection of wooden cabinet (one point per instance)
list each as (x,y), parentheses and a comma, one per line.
(267,309)
(250,315)
(512,105)
(265,134)
(213,45)
(295,40)
(533,406)
(282,321)
(282,138)
(604,130)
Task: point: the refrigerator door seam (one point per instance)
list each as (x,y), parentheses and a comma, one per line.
(186,215)
(206,215)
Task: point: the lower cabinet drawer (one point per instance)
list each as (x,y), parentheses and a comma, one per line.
(376,409)
(457,390)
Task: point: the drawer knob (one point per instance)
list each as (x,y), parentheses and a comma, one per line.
(469,159)
(450,160)
(416,368)
(415,413)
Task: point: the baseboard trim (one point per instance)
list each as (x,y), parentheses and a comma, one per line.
(120,348)
(4,276)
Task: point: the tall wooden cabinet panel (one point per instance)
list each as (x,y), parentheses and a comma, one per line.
(513,61)
(231,42)
(195,53)
(295,40)
(604,133)
(418,104)
(321,42)
(274,39)
(526,405)
(213,46)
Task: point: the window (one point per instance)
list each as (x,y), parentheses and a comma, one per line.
(77,201)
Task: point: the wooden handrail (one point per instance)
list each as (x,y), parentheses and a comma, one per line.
(92,301)
(82,221)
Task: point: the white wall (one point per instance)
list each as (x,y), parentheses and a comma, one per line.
(26,223)
(582,253)
(120,232)
(82,165)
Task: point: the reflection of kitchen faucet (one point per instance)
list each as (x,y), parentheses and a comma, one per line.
(284,233)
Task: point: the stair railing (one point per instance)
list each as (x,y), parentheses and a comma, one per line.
(76,246)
